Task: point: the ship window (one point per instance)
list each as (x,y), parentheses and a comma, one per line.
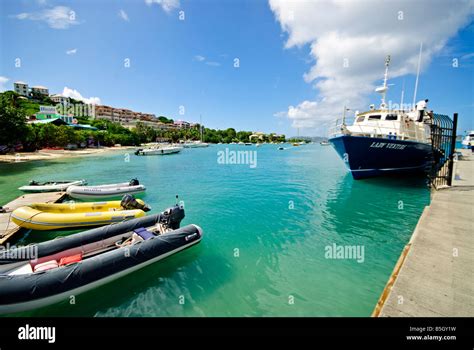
(360,119)
(375,116)
(391,117)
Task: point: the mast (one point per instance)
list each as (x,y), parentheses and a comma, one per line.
(383,89)
(344,115)
(402,96)
(385,77)
(200,125)
(417,75)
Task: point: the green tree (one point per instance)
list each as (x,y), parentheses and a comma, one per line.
(230,133)
(31,138)
(65,135)
(243,136)
(144,133)
(47,135)
(12,119)
(83,120)
(165,120)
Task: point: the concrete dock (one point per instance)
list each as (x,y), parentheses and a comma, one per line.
(434,276)
(7,227)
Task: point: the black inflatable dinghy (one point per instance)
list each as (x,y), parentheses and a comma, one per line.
(86,260)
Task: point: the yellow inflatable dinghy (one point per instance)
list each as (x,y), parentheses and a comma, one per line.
(51,216)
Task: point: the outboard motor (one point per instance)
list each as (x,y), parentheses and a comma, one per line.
(172,217)
(134,182)
(137,152)
(129,202)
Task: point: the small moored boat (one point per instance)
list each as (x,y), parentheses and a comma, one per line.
(195,144)
(466,141)
(83,261)
(106,191)
(51,186)
(161,150)
(51,216)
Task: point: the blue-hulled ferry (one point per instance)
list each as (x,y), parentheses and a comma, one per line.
(385,141)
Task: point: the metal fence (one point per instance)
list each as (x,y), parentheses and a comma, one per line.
(443,141)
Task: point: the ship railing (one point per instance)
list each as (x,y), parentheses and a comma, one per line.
(338,128)
(387,129)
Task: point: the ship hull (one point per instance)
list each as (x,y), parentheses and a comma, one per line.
(370,156)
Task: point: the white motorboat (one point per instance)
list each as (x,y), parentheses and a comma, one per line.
(106,191)
(466,141)
(51,186)
(158,150)
(195,144)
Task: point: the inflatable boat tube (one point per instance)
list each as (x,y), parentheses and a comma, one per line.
(105,191)
(51,186)
(89,259)
(51,216)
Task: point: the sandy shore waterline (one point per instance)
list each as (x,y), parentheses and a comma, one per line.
(48,154)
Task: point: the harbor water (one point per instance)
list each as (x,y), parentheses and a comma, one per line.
(268,228)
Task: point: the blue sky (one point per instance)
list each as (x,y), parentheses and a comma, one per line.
(190,63)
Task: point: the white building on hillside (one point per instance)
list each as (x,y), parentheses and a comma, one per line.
(41,90)
(181,124)
(21,88)
(59,99)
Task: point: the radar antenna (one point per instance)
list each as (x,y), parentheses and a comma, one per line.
(383,89)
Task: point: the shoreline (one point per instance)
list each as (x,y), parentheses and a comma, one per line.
(50,154)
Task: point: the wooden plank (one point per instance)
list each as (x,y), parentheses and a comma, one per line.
(7,227)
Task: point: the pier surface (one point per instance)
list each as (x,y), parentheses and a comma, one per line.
(434,276)
(7,227)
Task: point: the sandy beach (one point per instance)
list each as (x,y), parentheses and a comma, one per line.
(47,154)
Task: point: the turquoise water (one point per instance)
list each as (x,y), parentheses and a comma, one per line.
(278,217)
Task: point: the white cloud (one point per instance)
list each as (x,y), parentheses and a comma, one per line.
(3,81)
(67,92)
(71,52)
(213,64)
(203,59)
(362,33)
(59,17)
(123,15)
(199,58)
(166,5)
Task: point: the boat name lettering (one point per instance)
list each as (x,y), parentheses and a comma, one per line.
(387,145)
